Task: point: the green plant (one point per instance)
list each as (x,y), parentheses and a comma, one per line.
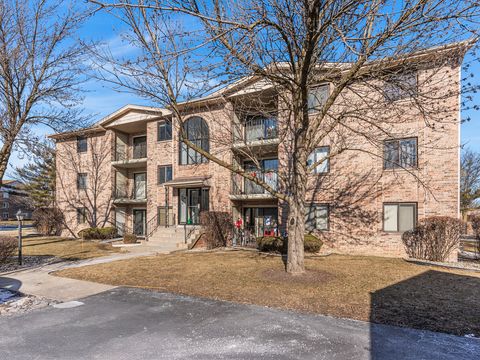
(277,244)
(434,238)
(271,244)
(129,239)
(312,243)
(8,247)
(98,233)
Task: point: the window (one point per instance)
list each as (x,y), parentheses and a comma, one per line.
(317,97)
(81,215)
(164,174)
(5,215)
(82,181)
(317,155)
(399,217)
(400,86)
(317,217)
(196,130)
(139,147)
(400,153)
(5,205)
(6,195)
(81,144)
(164,130)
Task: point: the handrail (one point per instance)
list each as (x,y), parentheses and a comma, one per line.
(152,225)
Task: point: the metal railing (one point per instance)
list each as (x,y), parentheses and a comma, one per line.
(122,193)
(140,151)
(261,128)
(242,186)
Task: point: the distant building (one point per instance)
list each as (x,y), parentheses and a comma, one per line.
(13,198)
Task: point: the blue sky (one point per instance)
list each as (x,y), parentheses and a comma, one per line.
(101,100)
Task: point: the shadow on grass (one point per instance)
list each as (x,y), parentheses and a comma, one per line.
(47,242)
(433,300)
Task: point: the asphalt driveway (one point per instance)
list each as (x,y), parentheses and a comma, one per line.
(125,323)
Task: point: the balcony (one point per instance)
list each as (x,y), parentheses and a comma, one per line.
(258,132)
(124,197)
(138,159)
(243,189)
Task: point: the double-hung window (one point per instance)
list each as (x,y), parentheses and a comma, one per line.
(317,217)
(81,181)
(317,97)
(400,153)
(81,144)
(164,174)
(164,130)
(400,86)
(399,217)
(81,215)
(320,157)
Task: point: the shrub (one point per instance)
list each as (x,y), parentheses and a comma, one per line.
(278,244)
(475,222)
(218,228)
(434,238)
(272,244)
(312,244)
(129,239)
(98,233)
(8,247)
(48,221)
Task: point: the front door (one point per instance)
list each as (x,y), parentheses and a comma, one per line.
(140,185)
(139,222)
(192,202)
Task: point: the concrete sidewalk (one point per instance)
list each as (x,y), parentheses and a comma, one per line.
(39,281)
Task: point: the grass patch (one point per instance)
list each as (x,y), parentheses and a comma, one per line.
(65,248)
(382,290)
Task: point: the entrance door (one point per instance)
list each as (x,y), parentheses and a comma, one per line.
(140,185)
(192,202)
(139,222)
(120,220)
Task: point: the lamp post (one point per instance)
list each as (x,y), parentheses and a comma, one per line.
(20,219)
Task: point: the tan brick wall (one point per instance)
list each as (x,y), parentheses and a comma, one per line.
(356,186)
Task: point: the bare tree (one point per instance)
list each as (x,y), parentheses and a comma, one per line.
(90,173)
(41,68)
(365,50)
(469,180)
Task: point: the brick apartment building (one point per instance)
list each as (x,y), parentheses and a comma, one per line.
(13,198)
(141,178)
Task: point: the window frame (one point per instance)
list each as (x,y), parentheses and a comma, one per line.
(395,166)
(164,168)
(327,159)
(80,148)
(315,205)
(399,204)
(164,124)
(85,186)
(81,215)
(314,110)
(193,157)
(402,94)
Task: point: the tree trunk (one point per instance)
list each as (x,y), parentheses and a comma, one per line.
(296,232)
(5,153)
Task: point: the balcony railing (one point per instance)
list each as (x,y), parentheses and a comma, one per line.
(261,128)
(140,151)
(124,194)
(242,186)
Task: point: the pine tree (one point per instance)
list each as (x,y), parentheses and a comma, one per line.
(38,176)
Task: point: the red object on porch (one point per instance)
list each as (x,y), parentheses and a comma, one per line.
(238,223)
(269,233)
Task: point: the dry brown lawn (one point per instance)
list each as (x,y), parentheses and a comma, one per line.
(381,290)
(65,248)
